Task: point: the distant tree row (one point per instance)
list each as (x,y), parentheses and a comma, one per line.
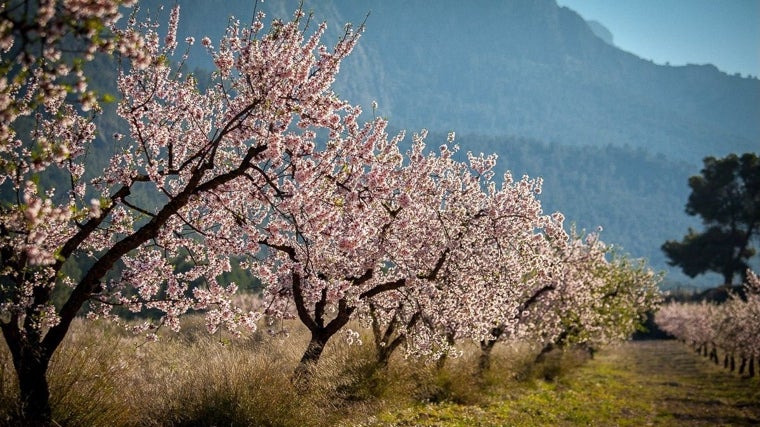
(731,328)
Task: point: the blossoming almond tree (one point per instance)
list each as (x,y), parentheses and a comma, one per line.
(199,153)
(326,238)
(591,305)
(492,235)
(442,211)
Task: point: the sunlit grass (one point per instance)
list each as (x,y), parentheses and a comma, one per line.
(104,376)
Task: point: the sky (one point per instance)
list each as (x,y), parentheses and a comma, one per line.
(725,33)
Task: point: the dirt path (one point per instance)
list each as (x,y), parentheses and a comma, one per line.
(685,388)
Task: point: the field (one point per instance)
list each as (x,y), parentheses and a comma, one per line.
(106,377)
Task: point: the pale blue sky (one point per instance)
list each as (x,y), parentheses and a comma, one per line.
(725,33)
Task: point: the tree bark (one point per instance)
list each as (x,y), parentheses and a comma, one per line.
(388,340)
(751,366)
(311,356)
(728,277)
(441,362)
(714,354)
(484,361)
(35,392)
(30,361)
(548,348)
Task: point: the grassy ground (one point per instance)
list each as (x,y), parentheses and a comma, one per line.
(102,376)
(640,383)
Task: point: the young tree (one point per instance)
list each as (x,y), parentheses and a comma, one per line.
(727,197)
(327,239)
(199,154)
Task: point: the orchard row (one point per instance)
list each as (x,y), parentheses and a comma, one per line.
(731,328)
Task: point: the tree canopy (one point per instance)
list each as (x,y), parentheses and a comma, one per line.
(727,197)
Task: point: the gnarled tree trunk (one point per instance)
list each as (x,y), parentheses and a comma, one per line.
(30,361)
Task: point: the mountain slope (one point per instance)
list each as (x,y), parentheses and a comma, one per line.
(518,67)
(532,69)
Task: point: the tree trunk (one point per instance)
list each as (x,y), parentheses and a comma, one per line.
(35,393)
(714,355)
(441,362)
(31,367)
(728,277)
(388,340)
(743,365)
(751,366)
(486,346)
(548,348)
(311,356)
(588,349)
(384,352)
(732,363)
(484,362)
(30,361)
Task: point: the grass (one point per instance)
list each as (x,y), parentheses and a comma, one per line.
(104,376)
(657,383)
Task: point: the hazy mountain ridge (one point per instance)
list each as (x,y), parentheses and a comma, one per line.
(518,67)
(542,73)
(495,55)
(602,32)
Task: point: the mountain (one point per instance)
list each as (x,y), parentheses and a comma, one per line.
(519,67)
(533,69)
(615,136)
(601,31)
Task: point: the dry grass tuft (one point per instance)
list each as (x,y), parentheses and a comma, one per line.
(103,376)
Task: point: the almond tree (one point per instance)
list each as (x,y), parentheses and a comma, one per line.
(697,324)
(509,270)
(596,301)
(499,242)
(443,224)
(195,154)
(326,239)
